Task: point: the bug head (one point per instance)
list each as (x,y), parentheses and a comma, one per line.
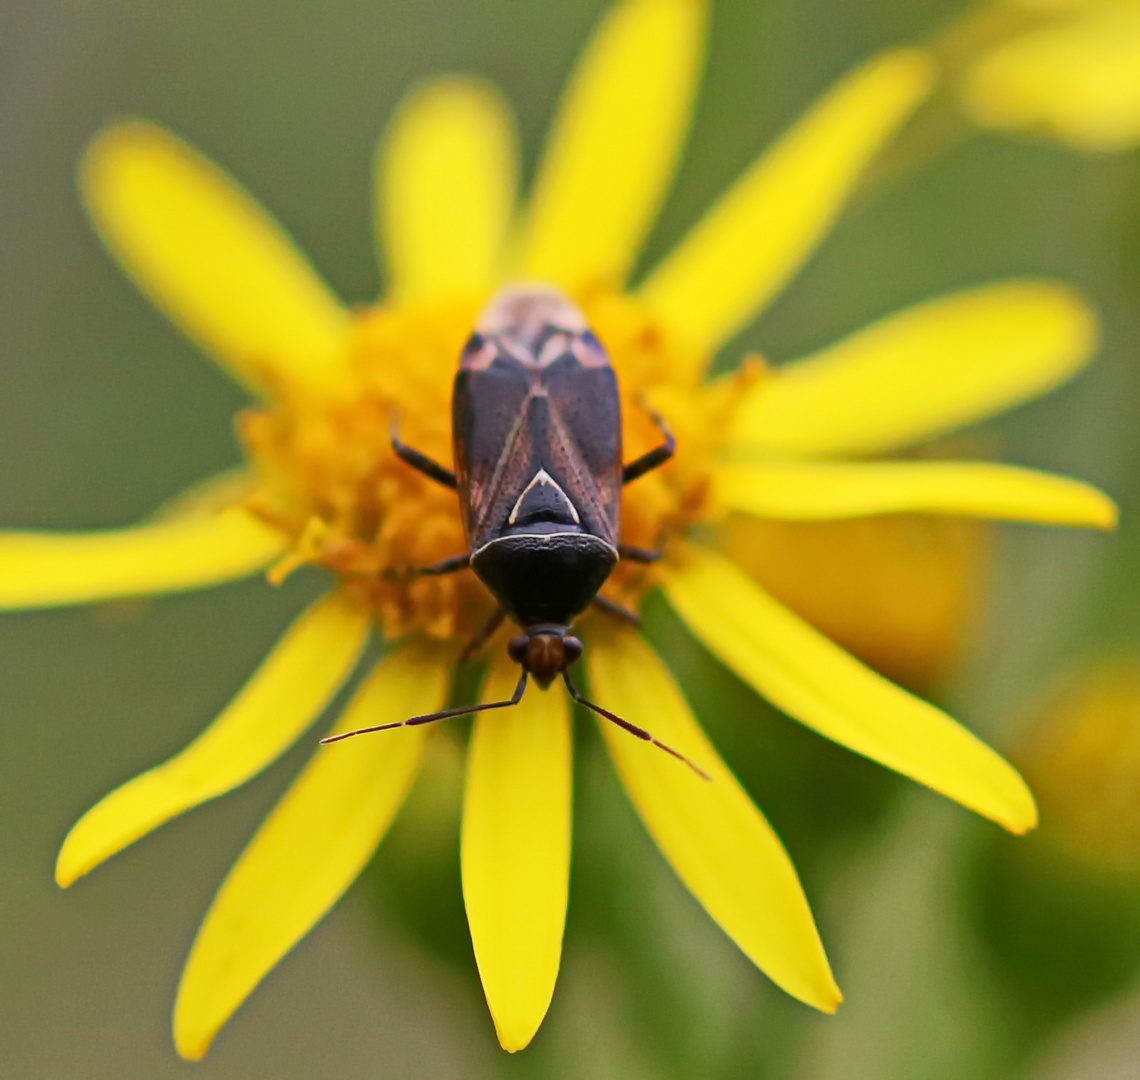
(544,651)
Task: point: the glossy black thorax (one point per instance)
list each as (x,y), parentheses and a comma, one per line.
(536,419)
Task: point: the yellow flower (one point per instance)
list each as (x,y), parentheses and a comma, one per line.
(1066,68)
(1081,749)
(323,487)
(901,592)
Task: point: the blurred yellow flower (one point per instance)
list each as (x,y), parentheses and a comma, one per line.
(323,487)
(903,592)
(1082,752)
(1066,68)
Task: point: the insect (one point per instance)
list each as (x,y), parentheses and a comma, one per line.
(536,429)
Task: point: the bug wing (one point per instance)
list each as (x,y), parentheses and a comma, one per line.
(489,429)
(584,444)
(510,420)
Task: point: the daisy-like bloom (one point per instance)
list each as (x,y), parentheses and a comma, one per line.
(1082,752)
(323,487)
(902,592)
(1066,68)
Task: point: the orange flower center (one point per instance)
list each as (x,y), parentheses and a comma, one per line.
(327,475)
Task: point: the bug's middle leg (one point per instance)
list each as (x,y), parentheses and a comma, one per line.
(433,470)
(656,457)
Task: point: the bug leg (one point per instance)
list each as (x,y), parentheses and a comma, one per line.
(654,458)
(482,635)
(639,554)
(618,611)
(443,714)
(445,566)
(422,463)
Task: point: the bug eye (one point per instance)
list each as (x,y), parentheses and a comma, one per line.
(474,343)
(516,650)
(571,649)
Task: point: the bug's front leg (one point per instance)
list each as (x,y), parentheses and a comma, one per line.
(632,553)
(444,566)
(616,610)
(483,634)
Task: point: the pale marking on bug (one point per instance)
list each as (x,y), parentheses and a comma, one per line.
(543,477)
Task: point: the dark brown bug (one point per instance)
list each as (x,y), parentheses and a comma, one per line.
(536,427)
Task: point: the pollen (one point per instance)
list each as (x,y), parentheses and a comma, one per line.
(327,475)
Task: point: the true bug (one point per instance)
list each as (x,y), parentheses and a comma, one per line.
(536,429)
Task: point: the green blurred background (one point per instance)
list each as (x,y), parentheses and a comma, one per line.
(962,953)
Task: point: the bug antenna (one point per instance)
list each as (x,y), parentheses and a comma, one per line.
(431,718)
(633,729)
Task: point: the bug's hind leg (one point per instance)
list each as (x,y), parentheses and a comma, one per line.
(422,463)
(618,611)
(483,634)
(656,457)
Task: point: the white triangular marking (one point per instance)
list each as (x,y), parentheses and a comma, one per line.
(542,477)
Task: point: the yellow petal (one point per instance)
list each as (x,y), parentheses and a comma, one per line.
(615,145)
(1077,80)
(1057,7)
(446,176)
(765,227)
(925,371)
(819,684)
(902,592)
(720,845)
(48,569)
(810,491)
(208,496)
(516,851)
(211,258)
(281,699)
(311,847)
